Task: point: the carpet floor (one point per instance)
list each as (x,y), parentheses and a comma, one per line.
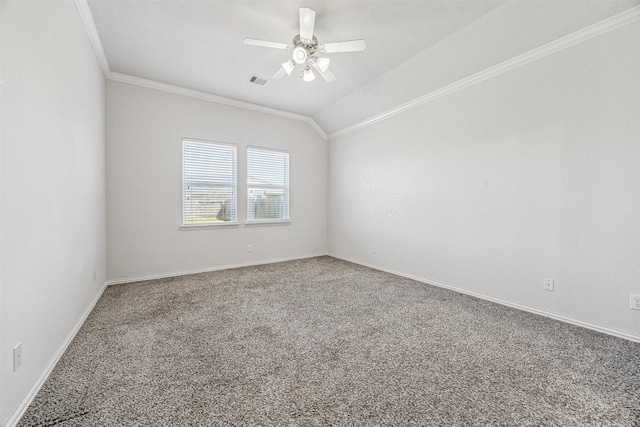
(320,342)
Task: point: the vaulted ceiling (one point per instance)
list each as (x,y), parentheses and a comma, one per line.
(413,47)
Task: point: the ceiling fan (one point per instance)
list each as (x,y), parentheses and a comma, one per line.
(306,50)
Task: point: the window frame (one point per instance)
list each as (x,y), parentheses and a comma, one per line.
(234,186)
(286,188)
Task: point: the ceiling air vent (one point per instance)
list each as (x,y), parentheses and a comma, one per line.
(257,80)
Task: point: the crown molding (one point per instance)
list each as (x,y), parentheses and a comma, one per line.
(617,21)
(152,84)
(90,27)
(89,24)
(317,128)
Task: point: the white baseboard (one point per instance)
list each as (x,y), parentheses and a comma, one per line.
(205,270)
(15,417)
(20,410)
(555,316)
(17,414)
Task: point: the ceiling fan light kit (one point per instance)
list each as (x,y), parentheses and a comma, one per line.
(300,55)
(305,49)
(307,74)
(288,66)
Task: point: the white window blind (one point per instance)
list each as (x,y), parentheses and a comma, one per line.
(267,185)
(209,183)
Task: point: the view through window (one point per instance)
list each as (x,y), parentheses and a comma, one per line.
(209,183)
(267,185)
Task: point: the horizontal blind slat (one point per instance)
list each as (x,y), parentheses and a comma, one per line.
(267,184)
(209,182)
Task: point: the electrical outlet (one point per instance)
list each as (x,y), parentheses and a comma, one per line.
(549,285)
(17,356)
(634,301)
(373,249)
(250,248)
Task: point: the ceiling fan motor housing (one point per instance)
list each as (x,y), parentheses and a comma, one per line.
(303,49)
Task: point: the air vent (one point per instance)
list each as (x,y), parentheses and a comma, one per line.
(257,80)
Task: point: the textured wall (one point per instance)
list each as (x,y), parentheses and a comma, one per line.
(145,128)
(529,175)
(509,30)
(53,188)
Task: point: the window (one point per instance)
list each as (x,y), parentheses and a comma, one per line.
(267,185)
(208,183)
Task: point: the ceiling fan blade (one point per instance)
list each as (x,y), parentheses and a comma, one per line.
(348,46)
(327,74)
(262,43)
(307,22)
(279,74)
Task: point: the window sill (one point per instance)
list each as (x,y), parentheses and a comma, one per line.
(208,226)
(266,223)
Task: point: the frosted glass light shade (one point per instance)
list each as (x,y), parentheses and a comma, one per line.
(300,55)
(307,75)
(288,67)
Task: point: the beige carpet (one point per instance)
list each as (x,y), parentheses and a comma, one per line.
(320,342)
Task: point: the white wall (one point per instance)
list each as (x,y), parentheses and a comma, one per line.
(531,174)
(145,128)
(53,188)
(509,30)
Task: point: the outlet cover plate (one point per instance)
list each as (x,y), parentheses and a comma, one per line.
(634,301)
(17,356)
(549,285)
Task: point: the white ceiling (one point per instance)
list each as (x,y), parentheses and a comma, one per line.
(198,44)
